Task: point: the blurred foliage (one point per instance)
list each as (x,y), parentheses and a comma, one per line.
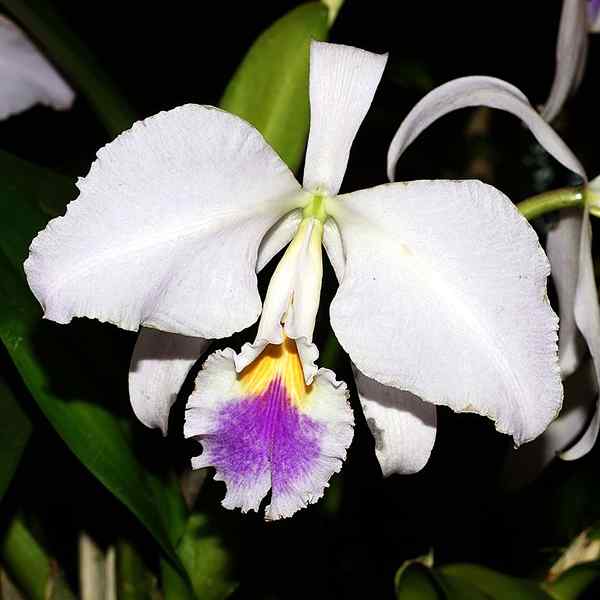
(120,482)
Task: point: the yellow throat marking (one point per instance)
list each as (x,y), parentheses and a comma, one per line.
(277,361)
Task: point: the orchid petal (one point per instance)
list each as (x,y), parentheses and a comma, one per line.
(159,365)
(587,317)
(277,238)
(332,242)
(571,49)
(343,81)
(587,440)
(524,464)
(562,247)
(478,91)
(166,230)
(593,9)
(457,311)
(403,425)
(264,429)
(27,77)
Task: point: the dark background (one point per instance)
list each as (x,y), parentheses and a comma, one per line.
(351,544)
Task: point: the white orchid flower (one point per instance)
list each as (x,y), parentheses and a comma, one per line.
(569,247)
(577,19)
(27,77)
(442,295)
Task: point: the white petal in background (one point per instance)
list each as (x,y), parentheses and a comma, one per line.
(526,463)
(478,91)
(402,425)
(159,366)
(26,77)
(571,51)
(587,317)
(343,81)
(457,311)
(562,247)
(166,229)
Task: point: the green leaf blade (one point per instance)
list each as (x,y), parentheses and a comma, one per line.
(270,87)
(15,430)
(56,364)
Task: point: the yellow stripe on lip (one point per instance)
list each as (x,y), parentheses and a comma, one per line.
(277,361)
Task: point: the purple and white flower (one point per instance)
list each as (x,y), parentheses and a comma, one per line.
(441,299)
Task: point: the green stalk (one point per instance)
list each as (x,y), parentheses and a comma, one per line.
(68,52)
(134,580)
(539,205)
(29,566)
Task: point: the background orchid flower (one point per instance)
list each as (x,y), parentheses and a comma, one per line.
(442,295)
(577,19)
(569,247)
(569,243)
(27,77)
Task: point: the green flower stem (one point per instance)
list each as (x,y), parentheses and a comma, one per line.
(539,205)
(76,62)
(28,565)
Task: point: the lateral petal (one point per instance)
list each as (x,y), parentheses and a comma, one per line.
(159,365)
(587,440)
(166,229)
(342,84)
(27,77)
(444,295)
(571,50)
(562,246)
(587,317)
(478,91)
(402,425)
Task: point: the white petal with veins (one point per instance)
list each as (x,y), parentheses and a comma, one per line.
(27,77)
(457,311)
(166,229)
(403,425)
(343,81)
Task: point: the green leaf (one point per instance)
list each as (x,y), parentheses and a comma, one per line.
(207,559)
(135,581)
(174,587)
(493,584)
(74,59)
(15,429)
(416,581)
(30,567)
(270,87)
(572,583)
(56,362)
